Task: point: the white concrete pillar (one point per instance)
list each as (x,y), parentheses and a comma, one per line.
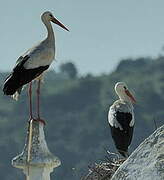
(41,161)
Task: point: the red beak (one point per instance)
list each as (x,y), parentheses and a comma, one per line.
(54,20)
(130,95)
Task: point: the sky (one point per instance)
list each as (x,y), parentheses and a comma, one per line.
(102,32)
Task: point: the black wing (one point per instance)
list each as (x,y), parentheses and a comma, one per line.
(122,138)
(21,76)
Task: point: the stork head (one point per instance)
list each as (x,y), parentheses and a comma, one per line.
(123,92)
(48,16)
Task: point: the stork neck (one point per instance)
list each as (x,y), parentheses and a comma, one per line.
(50,31)
(125,98)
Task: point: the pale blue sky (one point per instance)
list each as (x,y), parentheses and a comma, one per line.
(101,31)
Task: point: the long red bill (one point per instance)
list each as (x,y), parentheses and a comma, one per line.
(130,95)
(54,20)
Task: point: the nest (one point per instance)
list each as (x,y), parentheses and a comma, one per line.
(104,170)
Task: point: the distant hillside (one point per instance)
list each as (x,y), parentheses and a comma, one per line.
(75,109)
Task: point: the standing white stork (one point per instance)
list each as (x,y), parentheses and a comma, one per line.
(121,118)
(33,63)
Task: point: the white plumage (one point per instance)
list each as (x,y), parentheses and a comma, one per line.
(120,106)
(41,55)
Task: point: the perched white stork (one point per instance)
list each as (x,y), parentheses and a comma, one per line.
(33,63)
(121,118)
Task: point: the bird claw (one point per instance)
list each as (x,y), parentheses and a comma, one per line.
(38,120)
(41,121)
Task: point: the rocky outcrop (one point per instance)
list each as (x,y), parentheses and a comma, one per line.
(146,162)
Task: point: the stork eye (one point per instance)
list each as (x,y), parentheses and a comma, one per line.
(125,87)
(51,15)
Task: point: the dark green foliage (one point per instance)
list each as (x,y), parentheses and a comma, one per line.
(69,69)
(76,113)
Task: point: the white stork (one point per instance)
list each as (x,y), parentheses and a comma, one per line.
(33,63)
(121,118)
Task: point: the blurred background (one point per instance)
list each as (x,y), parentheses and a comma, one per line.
(109,41)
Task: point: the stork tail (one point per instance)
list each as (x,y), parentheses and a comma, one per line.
(12,86)
(15,96)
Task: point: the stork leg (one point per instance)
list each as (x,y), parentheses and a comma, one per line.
(38,99)
(38,102)
(30,99)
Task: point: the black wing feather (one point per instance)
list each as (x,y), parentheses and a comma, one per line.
(122,138)
(21,76)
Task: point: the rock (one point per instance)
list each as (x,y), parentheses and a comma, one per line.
(146,162)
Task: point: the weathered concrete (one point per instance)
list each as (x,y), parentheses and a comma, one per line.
(41,161)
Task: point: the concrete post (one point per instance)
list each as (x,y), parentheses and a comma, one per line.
(36,161)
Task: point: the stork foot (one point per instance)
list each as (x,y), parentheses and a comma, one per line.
(41,121)
(38,120)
